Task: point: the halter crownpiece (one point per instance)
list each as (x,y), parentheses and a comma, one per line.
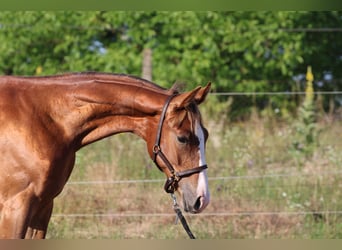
(171,182)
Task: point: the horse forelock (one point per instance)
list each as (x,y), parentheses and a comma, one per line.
(194,116)
(176,88)
(190,113)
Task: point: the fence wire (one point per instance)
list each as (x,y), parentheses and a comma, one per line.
(204,214)
(223,178)
(274,93)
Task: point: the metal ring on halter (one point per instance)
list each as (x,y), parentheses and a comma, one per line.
(169,185)
(156,149)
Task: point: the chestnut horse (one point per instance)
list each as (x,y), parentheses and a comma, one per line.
(45,120)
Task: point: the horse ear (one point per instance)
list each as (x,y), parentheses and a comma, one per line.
(185,99)
(198,95)
(202,94)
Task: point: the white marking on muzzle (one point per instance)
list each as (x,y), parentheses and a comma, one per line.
(202,186)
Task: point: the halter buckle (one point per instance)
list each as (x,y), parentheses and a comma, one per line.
(156,149)
(170,185)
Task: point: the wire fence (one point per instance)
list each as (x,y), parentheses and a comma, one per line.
(223,178)
(10,25)
(274,93)
(204,214)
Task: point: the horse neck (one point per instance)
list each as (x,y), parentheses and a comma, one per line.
(101,109)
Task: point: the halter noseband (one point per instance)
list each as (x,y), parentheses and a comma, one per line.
(171,182)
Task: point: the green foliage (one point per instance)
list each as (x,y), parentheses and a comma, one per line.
(236,51)
(221,46)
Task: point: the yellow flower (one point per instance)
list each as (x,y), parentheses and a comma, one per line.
(309,75)
(39,70)
(309,91)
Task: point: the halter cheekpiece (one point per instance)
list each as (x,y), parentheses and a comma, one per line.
(172,181)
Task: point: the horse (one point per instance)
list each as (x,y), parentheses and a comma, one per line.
(45,120)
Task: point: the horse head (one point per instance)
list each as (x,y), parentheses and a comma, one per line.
(179,149)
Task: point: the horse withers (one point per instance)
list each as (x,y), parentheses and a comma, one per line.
(44,121)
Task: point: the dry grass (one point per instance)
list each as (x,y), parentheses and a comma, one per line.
(257,148)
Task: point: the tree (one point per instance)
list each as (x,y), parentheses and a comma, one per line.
(237,51)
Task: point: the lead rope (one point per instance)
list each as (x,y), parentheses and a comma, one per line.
(181,217)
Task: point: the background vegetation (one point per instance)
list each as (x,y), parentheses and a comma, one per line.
(261,187)
(224,47)
(237,51)
(275,161)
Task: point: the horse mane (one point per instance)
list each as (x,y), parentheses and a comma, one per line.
(177,87)
(99,77)
(105,77)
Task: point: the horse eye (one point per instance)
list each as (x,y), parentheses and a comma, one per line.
(182,139)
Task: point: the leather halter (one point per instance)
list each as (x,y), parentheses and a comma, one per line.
(172,181)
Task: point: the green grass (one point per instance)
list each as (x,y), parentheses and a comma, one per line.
(292,183)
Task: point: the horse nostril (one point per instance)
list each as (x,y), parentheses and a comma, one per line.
(197,205)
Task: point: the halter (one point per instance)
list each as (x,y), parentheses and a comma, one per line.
(172,181)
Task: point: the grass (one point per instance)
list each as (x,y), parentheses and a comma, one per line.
(272,194)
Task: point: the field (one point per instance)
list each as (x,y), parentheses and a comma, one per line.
(262,186)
